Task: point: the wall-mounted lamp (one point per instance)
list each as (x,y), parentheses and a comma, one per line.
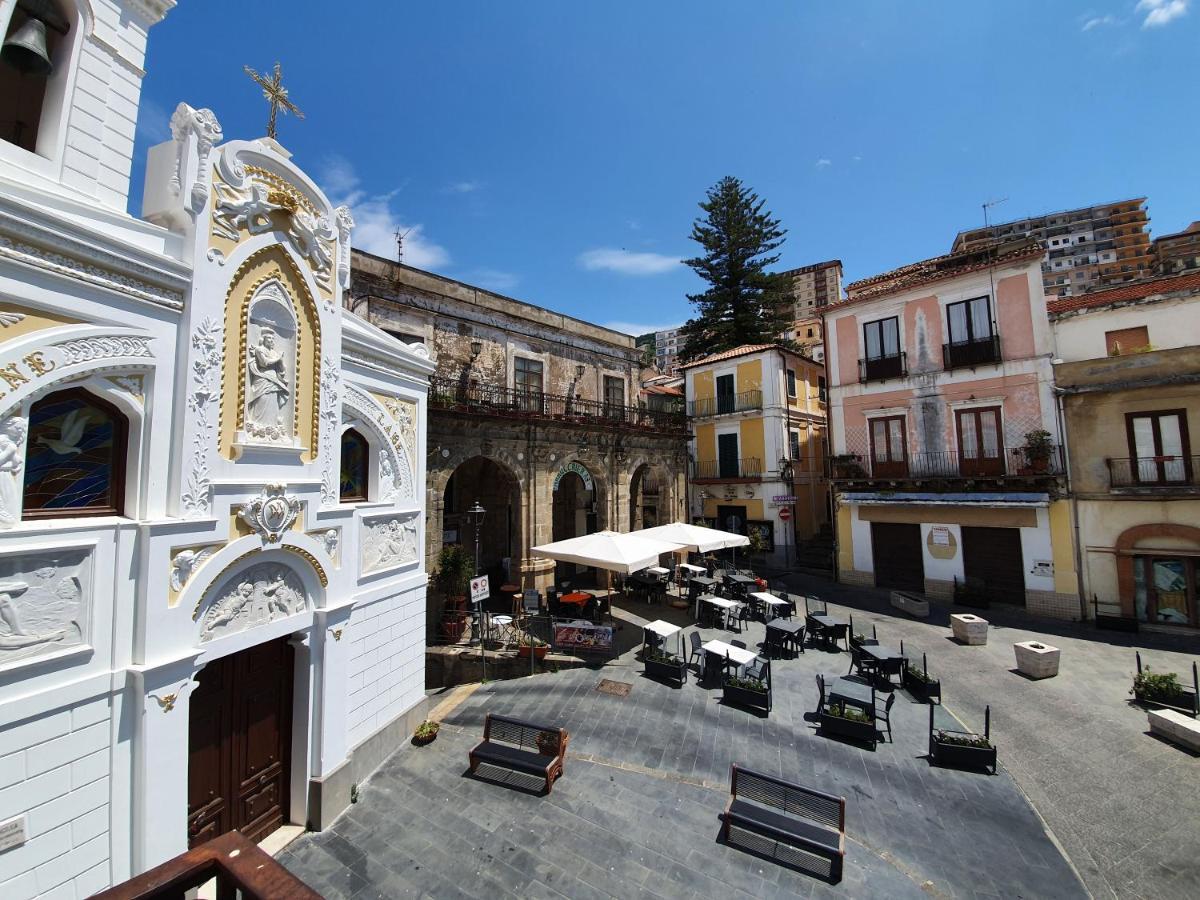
(476,349)
(578,372)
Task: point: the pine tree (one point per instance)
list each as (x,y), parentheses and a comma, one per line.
(744,303)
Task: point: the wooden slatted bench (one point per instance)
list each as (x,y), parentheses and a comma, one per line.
(809,826)
(536,750)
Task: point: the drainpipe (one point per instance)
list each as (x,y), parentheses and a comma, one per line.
(1062,442)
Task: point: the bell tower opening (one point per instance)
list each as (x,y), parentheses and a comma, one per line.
(28,58)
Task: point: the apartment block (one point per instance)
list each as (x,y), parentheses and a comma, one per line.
(1086,249)
(1177,253)
(667,345)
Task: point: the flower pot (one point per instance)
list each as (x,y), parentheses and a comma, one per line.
(538,652)
(746,697)
(969,629)
(960,756)
(1036,660)
(855,730)
(454,627)
(422,741)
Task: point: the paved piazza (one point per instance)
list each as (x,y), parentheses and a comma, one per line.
(637,812)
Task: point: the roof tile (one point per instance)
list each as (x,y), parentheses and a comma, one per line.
(1136,290)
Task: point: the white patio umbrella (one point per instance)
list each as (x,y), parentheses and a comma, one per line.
(695,537)
(624,553)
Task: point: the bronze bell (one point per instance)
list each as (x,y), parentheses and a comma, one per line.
(26,50)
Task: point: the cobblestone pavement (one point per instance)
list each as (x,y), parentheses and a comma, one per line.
(637,813)
(1124,805)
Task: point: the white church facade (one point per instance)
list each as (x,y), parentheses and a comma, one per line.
(212,587)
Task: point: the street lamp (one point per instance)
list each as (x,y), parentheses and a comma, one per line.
(477,512)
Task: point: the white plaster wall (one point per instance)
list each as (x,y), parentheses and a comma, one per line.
(1035,545)
(386,661)
(860,531)
(1169,324)
(942,569)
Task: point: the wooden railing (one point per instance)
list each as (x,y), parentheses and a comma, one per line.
(241,871)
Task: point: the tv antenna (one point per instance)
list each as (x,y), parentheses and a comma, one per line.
(400,236)
(991,247)
(988,204)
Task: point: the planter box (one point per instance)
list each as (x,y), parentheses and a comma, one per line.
(744,697)
(957,756)
(1184,701)
(859,731)
(538,652)
(1037,660)
(667,671)
(925,691)
(911,604)
(969,628)
(1175,727)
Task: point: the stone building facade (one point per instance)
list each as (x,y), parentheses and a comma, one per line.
(533,413)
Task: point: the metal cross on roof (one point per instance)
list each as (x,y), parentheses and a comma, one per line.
(275,94)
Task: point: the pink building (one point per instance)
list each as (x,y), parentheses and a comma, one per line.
(945,436)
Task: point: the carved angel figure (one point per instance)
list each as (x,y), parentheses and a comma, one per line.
(268,388)
(184,564)
(309,235)
(12,460)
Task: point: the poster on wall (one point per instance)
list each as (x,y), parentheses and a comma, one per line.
(766,532)
(583,637)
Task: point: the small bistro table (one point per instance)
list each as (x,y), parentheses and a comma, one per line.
(853,691)
(728,653)
(887,659)
(788,631)
(659,660)
(773,604)
(725,606)
(824,625)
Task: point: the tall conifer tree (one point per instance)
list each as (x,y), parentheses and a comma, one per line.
(744,303)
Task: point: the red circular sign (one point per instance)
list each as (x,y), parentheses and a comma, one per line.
(785,514)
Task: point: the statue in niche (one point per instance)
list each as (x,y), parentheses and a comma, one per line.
(271,366)
(12,460)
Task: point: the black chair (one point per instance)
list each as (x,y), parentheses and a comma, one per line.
(821,691)
(860,661)
(697,647)
(758,669)
(744,614)
(886,715)
(838,633)
(739,644)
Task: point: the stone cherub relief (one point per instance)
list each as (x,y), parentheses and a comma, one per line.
(42,603)
(260,594)
(12,461)
(270,367)
(389,542)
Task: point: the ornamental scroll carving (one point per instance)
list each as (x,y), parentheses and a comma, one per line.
(271,513)
(202,400)
(256,596)
(396,472)
(203,125)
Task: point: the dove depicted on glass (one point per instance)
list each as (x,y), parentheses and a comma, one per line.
(75,444)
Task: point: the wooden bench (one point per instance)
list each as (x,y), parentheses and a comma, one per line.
(535,750)
(809,824)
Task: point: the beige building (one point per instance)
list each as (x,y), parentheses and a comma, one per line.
(815,287)
(758,422)
(1128,371)
(1086,249)
(537,415)
(1178,253)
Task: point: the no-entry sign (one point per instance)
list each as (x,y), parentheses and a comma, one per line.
(785,514)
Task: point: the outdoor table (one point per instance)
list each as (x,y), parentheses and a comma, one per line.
(882,654)
(722,604)
(789,629)
(501,625)
(770,601)
(659,630)
(739,578)
(854,691)
(728,653)
(695,570)
(824,624)
(659,571)
(577,598)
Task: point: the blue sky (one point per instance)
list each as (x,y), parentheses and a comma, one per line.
(555,151)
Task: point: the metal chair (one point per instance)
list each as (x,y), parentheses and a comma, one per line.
(697,647)
(821,691)
(886,715)
(865,665)
(739,644)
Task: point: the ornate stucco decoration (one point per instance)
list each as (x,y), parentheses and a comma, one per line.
(396,473)
(201,124)
(10,318)
(45,602)
(256,596)
(330,380)
(269,414)
(388,541)
(185,563)
(345,223)
(12,461)
(256,200)
(271,513)
(202,403)
(133,385)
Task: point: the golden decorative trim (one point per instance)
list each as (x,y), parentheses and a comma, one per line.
(166,702)
(310,304)
(312,561)
(337,633)
(281,191)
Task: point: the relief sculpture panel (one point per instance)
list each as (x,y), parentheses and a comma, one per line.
(44,602)
(252,597)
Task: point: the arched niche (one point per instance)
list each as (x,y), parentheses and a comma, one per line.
(258,589)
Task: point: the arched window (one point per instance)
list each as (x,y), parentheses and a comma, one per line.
(31,38)
(355,454)
(75,457)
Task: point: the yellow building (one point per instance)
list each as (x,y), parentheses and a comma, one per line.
(757,415)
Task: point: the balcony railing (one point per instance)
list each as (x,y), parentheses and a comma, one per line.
(876,368)
(493,400)
(726,469)
(724,404)
(1012,462)
(1160,473)
(956,355)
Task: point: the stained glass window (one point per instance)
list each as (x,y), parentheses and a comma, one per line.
(75,457)
(355,453)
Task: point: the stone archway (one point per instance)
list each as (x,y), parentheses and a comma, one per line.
(498,490)
(649,497)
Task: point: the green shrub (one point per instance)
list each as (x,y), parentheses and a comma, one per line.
(1156,687)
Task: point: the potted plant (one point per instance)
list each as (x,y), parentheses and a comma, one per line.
(919,683)
(1037,449)
(962,749)
(747,692)
(455,568)
(528,643)
(1163,690)
(847,465)
(758,544)
(849,721)
(425,733)
(665,665)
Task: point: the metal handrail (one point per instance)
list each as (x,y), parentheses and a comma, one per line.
(877,368)
(1153,471)
(713,469)
(724,404)
(1011,462)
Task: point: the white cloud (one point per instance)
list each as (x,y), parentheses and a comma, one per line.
(153,122)
(1098,22)
(1161,12)
(856,158)
(636,328)
(823,162)
(375,222)
(626,262)
(463,187)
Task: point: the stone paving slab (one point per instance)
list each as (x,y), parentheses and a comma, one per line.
(637,812)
